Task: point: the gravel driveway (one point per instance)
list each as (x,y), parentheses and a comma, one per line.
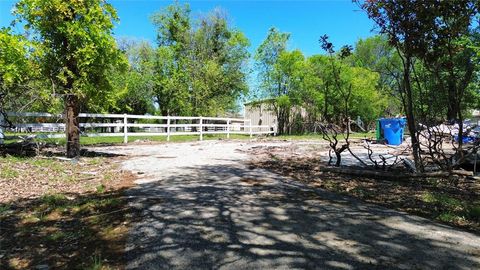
(204,209)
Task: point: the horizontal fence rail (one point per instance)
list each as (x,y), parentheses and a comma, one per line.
(45,125)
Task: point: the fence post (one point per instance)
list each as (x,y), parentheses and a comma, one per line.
(125,128)
(251,134)
(228,128)
(201,128)
(168,128)
(2,135)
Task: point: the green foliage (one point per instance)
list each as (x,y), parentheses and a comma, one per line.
(77,51)
(267,57)
(173,26)
(76,44)
(19,77)
(377,55)
(54,200)
(133,87)
(366,101)
(14,64)
(452,209)
(200,66)
(442,199)
(439,71)
(318,84)
(474,212)
(435,41)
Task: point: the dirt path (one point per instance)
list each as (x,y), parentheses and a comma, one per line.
(204,209)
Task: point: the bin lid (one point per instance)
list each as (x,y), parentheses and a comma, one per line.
(400,122)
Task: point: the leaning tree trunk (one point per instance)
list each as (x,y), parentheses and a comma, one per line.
(72,128)
(410,115)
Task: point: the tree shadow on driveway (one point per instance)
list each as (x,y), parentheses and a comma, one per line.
(231,217)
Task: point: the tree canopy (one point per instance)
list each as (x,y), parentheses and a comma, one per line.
(201,62)
(76,52)
(423,64)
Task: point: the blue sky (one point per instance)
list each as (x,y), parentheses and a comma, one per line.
(306,21)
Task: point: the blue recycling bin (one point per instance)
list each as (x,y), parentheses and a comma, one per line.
(392,129)
(465,139)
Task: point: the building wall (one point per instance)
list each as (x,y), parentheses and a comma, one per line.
(261,114)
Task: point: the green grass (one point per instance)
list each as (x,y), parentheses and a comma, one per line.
(119,139)
(452,210)
(443,200)
(449,217)
(188,138)
(96,224)
(56,236)
(96,262)
(8,173)
(100,188)
(359,135)
(54,200)
(12,168)
(4,208)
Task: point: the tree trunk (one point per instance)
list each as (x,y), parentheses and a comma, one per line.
(452,109)
(325,106)
(410,114)
(338,162)
(72,128)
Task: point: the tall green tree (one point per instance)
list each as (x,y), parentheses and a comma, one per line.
(15,68)
(133,87)
(201,62)
(266,57)
(430,31)
(78,51)
(171,89)
(21,85)
(218,68)
(271,74)
(376,54)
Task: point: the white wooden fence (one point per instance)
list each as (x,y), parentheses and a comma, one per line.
(52,126)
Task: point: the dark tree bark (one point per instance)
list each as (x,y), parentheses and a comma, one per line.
(72,128)
(412,128)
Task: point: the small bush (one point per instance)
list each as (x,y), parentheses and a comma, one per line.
(54,200)
(448,217)
(474,212)
(101,188)
(442,200)
(8,173)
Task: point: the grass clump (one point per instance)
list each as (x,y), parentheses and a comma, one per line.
(452,210)
(474,212)
(101,188)
(54,200)
(4,208)
(442,200)
(8,173)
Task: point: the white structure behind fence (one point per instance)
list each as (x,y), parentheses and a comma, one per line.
(125,125)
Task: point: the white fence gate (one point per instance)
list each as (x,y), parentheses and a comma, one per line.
(114,125)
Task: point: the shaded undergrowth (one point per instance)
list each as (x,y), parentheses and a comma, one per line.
(65,231)
(432,198)
(63,214)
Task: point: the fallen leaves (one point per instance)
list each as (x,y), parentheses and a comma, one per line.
(55,213)
(304,164)
(22,178)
